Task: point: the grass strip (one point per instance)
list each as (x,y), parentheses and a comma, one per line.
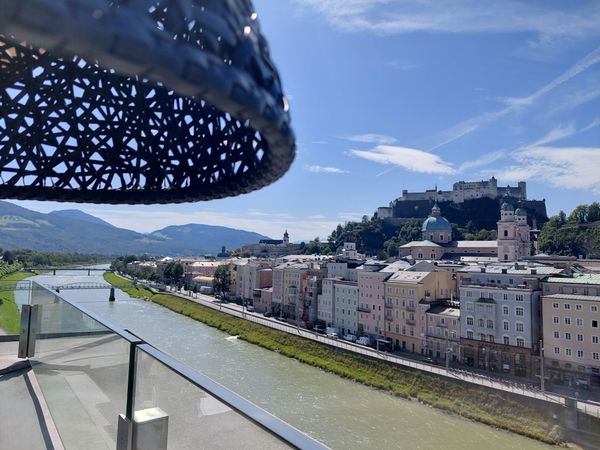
(10,317)
(490,407)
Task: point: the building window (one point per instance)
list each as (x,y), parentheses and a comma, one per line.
(481,323)
(567,336)
(556,335)
(579,322)
(520,342)
(557,350)
(519,311)
(519,326)
(469,321)
(469,335)
(594,339)
(519,297)
(594,324)
(490,324)
(556,319)
(510,281)
(567,306)
(505,233)
(505,310)
(555,305)
(578,307)
(580,353)
(594,308)
(505,325)
(568,351)
(596,356)
(491,338)
(505,296)
(580,338)
(482,337)
(506,340)
(469,293)
(567,321)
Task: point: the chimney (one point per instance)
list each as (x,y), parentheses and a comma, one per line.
(533,271)
(504,271)
(483,270)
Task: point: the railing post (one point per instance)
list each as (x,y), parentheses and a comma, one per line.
(125,425)
(30,324)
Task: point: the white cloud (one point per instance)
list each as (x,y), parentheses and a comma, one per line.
(555,134)
(483,160)
(371,138)
(516,103)
(563,167)
(322,169)
(401,64)
(593,124)
(411,159)
(456,16)
(351,216)
(577,99)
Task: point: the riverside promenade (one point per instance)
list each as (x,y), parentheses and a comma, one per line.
(586,407)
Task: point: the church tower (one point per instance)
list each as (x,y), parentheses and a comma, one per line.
(286,238)
(513,234)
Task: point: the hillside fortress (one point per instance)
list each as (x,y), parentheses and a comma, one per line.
(461,191)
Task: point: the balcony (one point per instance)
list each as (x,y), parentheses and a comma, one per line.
(364,309)
(389,317)
(411,321)
(389,305)
(107,388)
(411,308)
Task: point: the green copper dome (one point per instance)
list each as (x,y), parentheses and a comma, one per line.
(436,224)
(507,207)
(520,212)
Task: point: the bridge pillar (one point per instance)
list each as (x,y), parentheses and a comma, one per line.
(111,298)
(88,272)
(54,272)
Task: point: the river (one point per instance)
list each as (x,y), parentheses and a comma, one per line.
(340,413)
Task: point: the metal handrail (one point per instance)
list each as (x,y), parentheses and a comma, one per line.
(259,416)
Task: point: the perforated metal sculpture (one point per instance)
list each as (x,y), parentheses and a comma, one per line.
(137,101)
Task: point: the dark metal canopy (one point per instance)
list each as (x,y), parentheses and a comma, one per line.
(138,101)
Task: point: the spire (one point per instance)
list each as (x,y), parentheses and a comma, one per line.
(436,211)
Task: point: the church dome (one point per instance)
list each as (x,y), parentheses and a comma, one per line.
(438,223)
(507,207)
(520,212)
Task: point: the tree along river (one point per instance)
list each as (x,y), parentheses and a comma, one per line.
(338,412)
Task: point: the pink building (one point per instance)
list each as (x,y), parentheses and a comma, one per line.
(263,300)
(371,300)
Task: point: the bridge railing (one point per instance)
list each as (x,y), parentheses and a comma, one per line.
(105,385)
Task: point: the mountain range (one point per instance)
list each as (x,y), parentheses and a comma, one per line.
(72,230)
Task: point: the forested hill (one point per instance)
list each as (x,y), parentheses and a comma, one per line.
(577,234)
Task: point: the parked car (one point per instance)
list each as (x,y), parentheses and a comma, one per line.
(267,314)
(332,335)
(250,308)
(319,330)
(364,340)
(350,337)
(281,319)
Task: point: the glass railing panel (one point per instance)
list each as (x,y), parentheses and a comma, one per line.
(196,419)
(82,369)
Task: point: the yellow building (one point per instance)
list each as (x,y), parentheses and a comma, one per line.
(408,296)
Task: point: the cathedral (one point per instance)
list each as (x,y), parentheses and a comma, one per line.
(513,243)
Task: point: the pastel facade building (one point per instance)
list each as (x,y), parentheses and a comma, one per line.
(408,296)
(500,317)
(571,332)
(255,274)
(325,303)
(443,332)
(346,306)
(371,310)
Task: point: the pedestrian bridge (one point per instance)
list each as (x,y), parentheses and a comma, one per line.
(25,285)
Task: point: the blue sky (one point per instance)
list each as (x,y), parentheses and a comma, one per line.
(389,95)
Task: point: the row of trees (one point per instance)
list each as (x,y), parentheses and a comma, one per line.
(30,258)
(577,234)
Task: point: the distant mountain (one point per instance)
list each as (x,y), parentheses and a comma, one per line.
(195,235)
(76,231)
(80,215)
